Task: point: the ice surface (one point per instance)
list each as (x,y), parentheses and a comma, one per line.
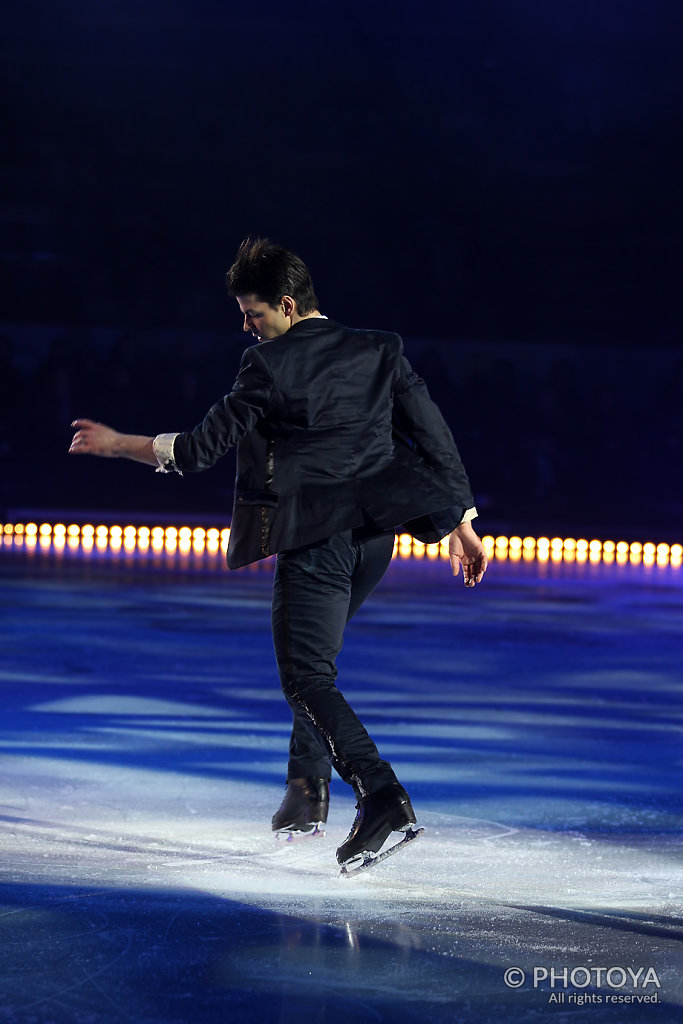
(535,720)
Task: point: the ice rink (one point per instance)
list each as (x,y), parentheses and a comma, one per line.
(536,721)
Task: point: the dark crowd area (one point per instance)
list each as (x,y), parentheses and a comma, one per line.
(498,182)
(554,439)
(453,168)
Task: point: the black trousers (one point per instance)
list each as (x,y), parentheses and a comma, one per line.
(316,591)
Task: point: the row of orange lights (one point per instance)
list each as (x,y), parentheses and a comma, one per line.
(555,549)
(129,537)
(199,539)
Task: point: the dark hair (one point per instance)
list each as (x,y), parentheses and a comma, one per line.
(269,271)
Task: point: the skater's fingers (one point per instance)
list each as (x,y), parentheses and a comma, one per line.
(455,564)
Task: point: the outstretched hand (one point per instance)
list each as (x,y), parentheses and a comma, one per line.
(94,439)
(466,549)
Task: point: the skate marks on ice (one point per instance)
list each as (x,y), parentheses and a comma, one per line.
(214,837)
(174,887)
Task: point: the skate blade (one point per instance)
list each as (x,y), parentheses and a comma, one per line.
(299,836)
(371,860)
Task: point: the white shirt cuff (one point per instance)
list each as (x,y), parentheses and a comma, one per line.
(469,515)
(163,450)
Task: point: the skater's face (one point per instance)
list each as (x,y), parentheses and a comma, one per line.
(264,321)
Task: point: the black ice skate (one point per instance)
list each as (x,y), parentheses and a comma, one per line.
(303,812)
(389,810)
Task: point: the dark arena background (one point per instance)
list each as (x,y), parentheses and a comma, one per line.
(500,183)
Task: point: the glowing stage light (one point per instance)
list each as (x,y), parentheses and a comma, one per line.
(200,540)
(405,543)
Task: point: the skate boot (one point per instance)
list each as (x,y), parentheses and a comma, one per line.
(379,814)
(303,811)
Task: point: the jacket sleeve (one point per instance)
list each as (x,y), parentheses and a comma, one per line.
(419,423)
(228,420)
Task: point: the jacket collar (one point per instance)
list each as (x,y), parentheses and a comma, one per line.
(309,326)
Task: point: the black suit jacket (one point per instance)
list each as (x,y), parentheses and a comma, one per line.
(332,428)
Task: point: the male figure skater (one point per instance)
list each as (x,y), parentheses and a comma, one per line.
(338,446)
